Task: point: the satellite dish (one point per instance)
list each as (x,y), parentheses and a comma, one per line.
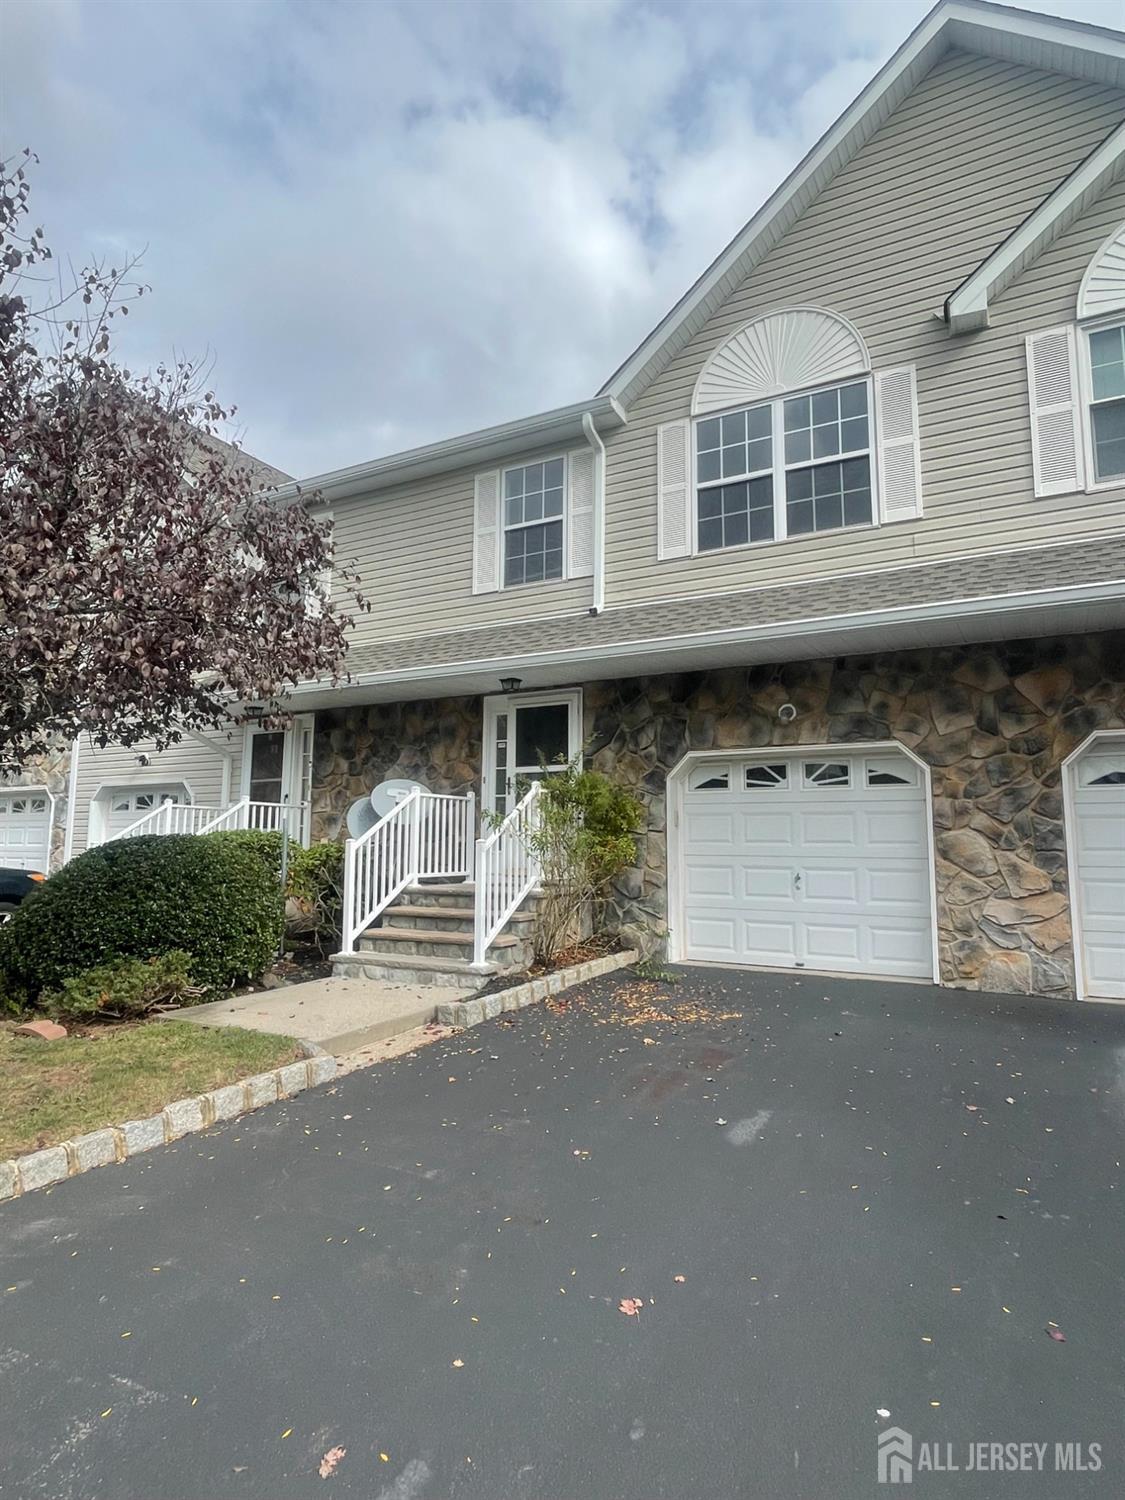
(361,816)
(388,794)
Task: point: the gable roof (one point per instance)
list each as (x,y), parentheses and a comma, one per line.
(1037,41)
(967,308)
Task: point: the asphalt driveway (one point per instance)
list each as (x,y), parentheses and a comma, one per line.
(832,1199)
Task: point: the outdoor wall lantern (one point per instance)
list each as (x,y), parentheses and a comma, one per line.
(510,684)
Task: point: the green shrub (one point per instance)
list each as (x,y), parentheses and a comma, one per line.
(141,897)
(586,835)
(314,887)
(124,989)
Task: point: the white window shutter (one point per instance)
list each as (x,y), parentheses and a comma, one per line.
(580,479)
(896,431)
(486,532)
(1056,437)
(673,487)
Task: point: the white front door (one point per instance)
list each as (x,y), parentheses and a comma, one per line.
(1098,844)
(277,770)
(527,735)
(25,830)
(812,860)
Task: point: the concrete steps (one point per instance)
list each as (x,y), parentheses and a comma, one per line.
(425,936)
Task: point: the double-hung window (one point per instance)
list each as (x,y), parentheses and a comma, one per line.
(534,500)
(782,468)
(1107,404)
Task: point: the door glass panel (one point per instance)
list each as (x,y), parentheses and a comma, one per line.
(542,735)
(267,759)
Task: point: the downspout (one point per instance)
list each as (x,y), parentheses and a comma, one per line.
(599,512)
(227,757)
(71,801)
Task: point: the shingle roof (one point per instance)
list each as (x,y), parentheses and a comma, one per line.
(961,578)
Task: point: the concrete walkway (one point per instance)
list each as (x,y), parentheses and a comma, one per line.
(340,1015)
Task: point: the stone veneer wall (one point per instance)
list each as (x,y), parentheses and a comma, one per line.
(993,722)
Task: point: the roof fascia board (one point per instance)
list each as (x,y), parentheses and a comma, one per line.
(1092,52)
(967,308)
(490,444)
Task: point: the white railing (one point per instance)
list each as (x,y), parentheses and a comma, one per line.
(198,817)
(171,817)
(507,868)
(261,817)
(426,835)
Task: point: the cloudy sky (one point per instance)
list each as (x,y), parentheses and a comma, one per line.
(392,222)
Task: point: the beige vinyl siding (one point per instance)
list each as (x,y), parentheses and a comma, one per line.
(965,158)
(413,548)
(189,762)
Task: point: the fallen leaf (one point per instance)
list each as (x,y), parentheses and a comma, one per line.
(329,1461)
(679,1278)
(287,1431)
(458,1364)
(384,1458)
(1057,1334)
(630,1306)
(972,1108)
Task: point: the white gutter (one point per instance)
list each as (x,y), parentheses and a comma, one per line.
(71,801)
(227,772)
(483,448)
(973,607)
(599,511)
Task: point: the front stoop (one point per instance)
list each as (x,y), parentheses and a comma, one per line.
(425,936)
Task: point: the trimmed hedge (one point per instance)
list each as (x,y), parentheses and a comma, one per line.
(314,880)
(136,898)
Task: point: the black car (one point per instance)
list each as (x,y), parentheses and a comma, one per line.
(16,886)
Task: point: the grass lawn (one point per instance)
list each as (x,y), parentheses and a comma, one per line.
(52,1091)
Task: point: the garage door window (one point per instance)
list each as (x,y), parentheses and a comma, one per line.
(879,774)
(17,806)
(827,773)
(766,776)
(710,779)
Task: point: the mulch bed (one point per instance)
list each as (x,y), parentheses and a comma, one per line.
(579,953)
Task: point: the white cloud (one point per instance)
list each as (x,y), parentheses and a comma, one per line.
(395,222)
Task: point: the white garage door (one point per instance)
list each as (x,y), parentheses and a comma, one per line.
(817,861)
(123,807)
(25,830)
(1099,847)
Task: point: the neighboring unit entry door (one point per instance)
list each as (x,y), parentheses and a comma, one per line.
(277,770)
(1098,845)
(816,861)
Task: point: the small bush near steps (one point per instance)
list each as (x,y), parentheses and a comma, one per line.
(314,884)
(586,835)
(142,898)
(124,989)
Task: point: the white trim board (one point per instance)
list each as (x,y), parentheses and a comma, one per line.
(966,309)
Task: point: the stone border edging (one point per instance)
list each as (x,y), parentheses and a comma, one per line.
(117,1143)
(472,1012)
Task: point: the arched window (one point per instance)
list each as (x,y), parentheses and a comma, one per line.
(782,431)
